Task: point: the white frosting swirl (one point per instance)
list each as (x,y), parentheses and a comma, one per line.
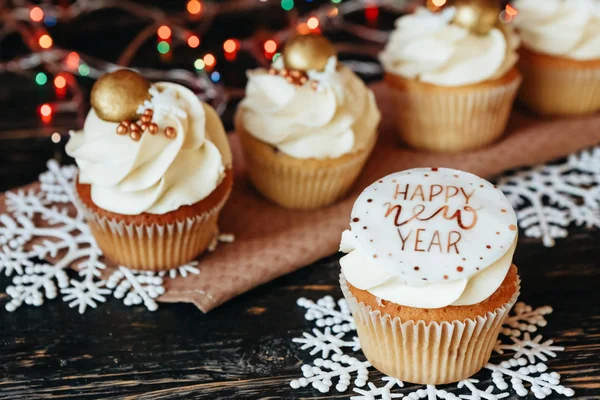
(430,238)
(564,28)
(155,175)
(334,120)
(426,46)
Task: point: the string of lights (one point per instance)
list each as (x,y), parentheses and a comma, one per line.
(186,27)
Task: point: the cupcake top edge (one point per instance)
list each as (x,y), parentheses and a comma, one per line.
(171,150)
(308,105)
(429,47)
(430,237)
(562,28)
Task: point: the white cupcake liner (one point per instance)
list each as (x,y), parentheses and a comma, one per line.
(426,353)
(152,247)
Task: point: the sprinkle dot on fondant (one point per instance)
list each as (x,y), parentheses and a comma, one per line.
(488,247)
(371,240)
(426,174)
(355,220)
(459,268)
(495,187)
(464,259)
(512,227)
(456,176)
(445,276)
(370,200)
(374,255)
(503,210)
(364,227)
(497,233)
(477,268)
(481,258)
(380,181)
(416,268)
(434,169)
(390,254)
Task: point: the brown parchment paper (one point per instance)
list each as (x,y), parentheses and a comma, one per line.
(271,241)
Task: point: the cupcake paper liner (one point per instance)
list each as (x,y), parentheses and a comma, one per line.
(152,247)
(445,120)
(559,90)
(303,184)
(426,353)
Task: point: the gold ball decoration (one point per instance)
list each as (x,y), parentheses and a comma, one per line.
(304,52)
(478,16)
(116,96)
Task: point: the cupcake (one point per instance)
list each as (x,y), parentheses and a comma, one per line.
(307,126)
(560,55)
(154,171)
(428,273)
(453,86)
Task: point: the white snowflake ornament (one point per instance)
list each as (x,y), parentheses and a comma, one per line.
(542,383)
(530,348)
(325,342)
(525,319)
(42,236)
(548,198)
(324,313)
(380,393)
(320,374)
(478,394)
(339,349)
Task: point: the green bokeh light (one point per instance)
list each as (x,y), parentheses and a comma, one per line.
(199,64)
(41,78)
(163,47)
(336,1)
(84,70)
(287,5)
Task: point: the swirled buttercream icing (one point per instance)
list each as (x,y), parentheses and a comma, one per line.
(332,114)
(156,174)
(429,238)
(428,47)
(564,28)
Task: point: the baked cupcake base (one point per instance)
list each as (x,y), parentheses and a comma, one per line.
(301,184)
(452,119)
(430,346)
(559,86)
(155,242)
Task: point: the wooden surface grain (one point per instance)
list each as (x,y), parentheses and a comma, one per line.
(243,350)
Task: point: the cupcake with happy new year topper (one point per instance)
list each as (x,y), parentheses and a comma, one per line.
(452,76)
(429,275)
(154,171)
(560,55)
(307,126)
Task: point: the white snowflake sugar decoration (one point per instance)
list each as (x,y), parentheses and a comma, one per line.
(65,238)
(335,341)
(548,198)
